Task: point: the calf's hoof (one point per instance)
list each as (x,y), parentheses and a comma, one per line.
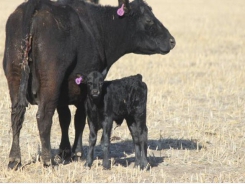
(47,163)
(137,165)
(88,164)
(14,165)
(145,167)
(107,165)
(142,166)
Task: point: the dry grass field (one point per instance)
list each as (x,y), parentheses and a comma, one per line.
(196,104)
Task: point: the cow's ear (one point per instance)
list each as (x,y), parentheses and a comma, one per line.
(80,79)
(124,7)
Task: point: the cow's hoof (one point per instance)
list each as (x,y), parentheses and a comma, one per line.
(14,165)
(57,159)
(63,157)
(78,156)
(60,160)
(64,154)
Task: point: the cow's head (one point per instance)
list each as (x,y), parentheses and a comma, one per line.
(150,36)
(94,82)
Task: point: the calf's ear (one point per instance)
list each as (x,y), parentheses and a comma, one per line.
(124,4)
(104,73)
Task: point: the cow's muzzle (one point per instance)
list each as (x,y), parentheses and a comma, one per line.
(172,42)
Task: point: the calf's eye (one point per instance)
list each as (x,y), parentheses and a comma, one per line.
(149,21)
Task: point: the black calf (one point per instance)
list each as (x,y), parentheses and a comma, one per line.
(115,101)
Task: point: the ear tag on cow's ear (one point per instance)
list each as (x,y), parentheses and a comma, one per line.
(79,80)
(120,11)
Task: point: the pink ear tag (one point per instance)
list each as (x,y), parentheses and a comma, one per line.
(120,11)
(78,80)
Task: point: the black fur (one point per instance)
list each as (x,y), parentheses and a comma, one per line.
(115,101)
(61,40)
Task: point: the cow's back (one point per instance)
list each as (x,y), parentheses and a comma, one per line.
(62,43)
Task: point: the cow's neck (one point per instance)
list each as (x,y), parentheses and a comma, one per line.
(113,33)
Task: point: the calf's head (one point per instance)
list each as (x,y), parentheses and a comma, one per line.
(94,82)
(149,35)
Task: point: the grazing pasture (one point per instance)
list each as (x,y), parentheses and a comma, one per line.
(195,110)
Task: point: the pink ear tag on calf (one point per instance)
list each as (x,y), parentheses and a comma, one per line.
(120,11)
(78,80)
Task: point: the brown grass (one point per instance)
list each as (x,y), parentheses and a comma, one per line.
(195,104)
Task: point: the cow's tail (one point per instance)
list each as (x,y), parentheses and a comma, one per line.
(30,7)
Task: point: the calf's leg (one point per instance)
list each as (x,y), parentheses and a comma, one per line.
(92,141)
(138,130)
(105,141)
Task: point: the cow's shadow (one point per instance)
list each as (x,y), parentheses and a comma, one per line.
(123,152)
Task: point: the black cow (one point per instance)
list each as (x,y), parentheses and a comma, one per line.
(48,43)
(94,1)
(69,1)
(115,101)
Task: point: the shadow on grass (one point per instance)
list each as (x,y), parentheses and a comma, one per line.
(123,152)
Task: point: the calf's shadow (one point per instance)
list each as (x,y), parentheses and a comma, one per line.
(123,152)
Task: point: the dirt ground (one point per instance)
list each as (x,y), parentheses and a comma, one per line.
(195,110)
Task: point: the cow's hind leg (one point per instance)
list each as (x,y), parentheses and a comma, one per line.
(19,105)
(44,121)
(49,95)
(17,111)
(12,70)
(80,118)
(17,118)
(65,147)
